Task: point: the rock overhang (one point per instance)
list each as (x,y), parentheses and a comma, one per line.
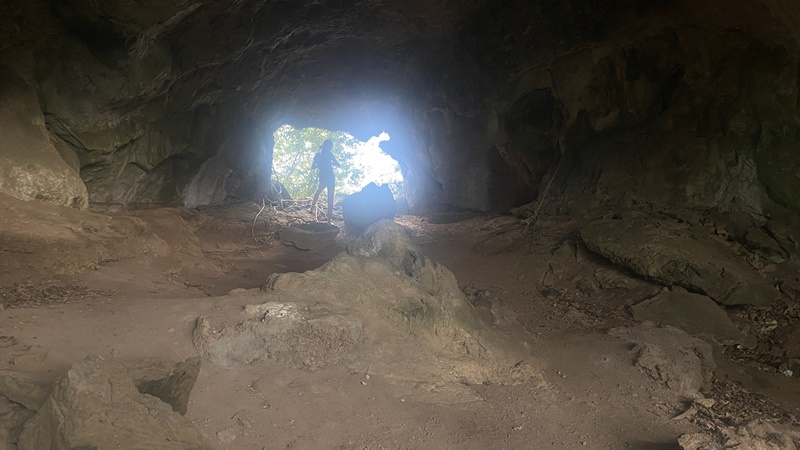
(482,99)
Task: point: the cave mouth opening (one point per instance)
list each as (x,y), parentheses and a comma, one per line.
(360,162)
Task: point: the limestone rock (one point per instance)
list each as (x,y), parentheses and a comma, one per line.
(790,342)
(791,288)
(371,204)
(615,279)
(587,286)
(96,405)
(277,192)
(695,314)
(389,241)
(760,243)
(493,93)
(68,154)
(30,167)
(383,306)
(787,235)
(699,441)
(751,232)
(735,223)
(309,236)
(12,418)
(301,338)
(659,250)
(386,240)
(172,383)
(24,390)
(754,435)
(667,354)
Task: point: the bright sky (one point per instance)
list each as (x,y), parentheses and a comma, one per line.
(377,166)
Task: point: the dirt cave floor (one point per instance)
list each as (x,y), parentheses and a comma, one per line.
(130,286)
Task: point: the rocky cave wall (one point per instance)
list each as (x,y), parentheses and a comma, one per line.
(670,101)
(486,101)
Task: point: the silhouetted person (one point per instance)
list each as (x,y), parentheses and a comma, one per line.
(324,162)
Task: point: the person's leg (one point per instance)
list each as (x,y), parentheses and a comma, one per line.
(331,196)
(316,198)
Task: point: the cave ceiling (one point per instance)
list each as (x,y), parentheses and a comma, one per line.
(164,102)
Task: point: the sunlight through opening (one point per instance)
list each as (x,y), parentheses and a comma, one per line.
(360,163)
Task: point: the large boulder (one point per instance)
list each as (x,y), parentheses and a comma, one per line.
(666,252)
(695,314)
(683,363)
(170,382)
(96,405)
(383,307)
(30,166)
(389,241)
(367,206)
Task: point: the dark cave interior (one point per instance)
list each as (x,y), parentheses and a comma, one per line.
(157,104)
(653,145)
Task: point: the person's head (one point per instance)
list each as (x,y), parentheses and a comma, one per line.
(326,146)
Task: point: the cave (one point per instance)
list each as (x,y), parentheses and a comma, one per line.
(614,185)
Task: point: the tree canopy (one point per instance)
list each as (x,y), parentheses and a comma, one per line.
(294,153)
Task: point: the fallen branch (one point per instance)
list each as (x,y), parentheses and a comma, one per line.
(253,228)
(530,223)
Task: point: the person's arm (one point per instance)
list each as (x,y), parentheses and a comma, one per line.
(316,161)
(334,161)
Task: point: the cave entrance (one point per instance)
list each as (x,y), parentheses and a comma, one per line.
(361,162)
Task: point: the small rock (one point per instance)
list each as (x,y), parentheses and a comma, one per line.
(760,243)
(699,441)
(791,288)
(587,287)
(615,279)
(790,339)
(227,435)
(705,402)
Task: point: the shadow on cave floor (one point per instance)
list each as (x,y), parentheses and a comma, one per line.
(156,269)
(654,446)
(211,251)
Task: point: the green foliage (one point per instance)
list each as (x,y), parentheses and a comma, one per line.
(294,154)
(396,187)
